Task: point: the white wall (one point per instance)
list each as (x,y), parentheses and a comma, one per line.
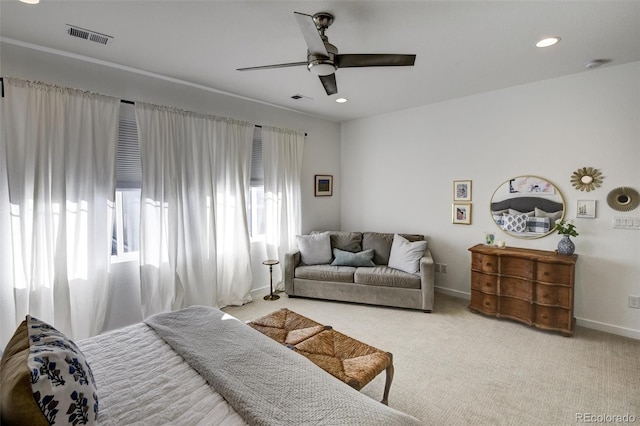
(321,152)
(398,168)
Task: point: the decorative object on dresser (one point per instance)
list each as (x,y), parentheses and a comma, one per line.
(566,229)
(531,286)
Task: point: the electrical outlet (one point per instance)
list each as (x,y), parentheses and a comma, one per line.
(443,268)
(634,302)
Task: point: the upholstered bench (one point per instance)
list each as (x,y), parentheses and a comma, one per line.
(345,358)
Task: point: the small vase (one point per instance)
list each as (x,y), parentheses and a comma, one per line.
(566,246)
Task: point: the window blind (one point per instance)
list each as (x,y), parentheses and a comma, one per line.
(257,168)
(129,167)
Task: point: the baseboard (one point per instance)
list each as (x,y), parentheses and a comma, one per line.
(455,293)
(594,325)
(609,328)
(259,292)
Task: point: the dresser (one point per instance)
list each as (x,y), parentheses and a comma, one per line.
(531,286)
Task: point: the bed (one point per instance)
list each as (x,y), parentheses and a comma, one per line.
(195,366)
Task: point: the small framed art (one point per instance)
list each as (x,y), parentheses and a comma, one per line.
(461,190)
(324,185)
(461,213)
(586,209)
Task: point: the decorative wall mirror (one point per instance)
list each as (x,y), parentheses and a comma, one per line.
(527,207)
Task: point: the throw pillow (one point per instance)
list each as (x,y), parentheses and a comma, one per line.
(48,379)
(539,225)
(553,216)
(515,223)
(405,255)
(516,212)
(315,249)
(347,258)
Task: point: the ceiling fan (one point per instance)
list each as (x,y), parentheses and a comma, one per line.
(323,58)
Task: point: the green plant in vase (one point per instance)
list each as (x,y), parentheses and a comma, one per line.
(566,229)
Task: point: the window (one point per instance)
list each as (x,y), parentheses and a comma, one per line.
(126,224)
(255,214)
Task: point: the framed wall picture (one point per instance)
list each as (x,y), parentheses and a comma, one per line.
(586,209)
(461,190)
(461,213)
(324,185)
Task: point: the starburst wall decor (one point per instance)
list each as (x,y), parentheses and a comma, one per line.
(586,179)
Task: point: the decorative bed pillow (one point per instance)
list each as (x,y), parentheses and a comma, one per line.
(516,212)
(46,379)
(315,249)
(347,258)
(515,223)
(539,225)
(553,216)
(405,255)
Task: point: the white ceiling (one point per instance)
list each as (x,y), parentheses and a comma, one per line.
(462,47)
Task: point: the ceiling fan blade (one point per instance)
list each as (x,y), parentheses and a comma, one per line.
(267,67)
(311,35)
(374,60)
(329,83)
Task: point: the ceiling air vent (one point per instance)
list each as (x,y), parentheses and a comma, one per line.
(298,96)
(78,32)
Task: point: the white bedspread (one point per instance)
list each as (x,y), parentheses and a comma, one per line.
(265,382)
(142,381)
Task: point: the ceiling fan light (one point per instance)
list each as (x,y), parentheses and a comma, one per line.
(321,68)
(547,42)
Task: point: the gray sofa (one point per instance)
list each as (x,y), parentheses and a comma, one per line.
(378,284)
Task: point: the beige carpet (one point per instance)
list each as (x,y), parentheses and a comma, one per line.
(453,367)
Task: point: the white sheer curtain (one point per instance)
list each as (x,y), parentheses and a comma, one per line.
(194,234)
(59,156)
(282,158)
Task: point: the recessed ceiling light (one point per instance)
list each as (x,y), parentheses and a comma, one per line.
(30,1)
(546,42)
(341,100)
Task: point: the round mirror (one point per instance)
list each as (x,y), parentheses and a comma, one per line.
(527,207)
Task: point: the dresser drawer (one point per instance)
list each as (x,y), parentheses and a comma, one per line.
(515,287)
(554,273)
(554,318)
(513,266)
(553,295)
(484,263)
(484,283)
(516,309)
(484,302)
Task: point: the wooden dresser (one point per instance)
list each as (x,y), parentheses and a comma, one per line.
(531,286)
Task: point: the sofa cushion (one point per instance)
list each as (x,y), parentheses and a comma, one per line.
(386,277)
(315,249)
(343,240)
(343,274)
(381,244)
(346,258)
(405,255)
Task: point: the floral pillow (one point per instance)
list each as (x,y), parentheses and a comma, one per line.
(61,380)
(515,223)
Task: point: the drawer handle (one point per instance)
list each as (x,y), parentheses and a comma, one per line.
(544,316)
(487,303)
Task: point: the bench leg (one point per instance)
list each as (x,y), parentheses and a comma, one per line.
(387,384)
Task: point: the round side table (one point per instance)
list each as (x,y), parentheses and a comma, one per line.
(270,263)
